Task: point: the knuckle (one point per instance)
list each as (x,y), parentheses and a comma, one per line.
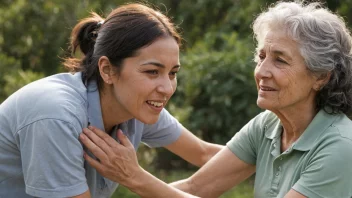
(106,138)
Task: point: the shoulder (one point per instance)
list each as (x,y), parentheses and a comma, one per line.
(342,126)
(334,144)
(265,122)
(61,96)
(338,135)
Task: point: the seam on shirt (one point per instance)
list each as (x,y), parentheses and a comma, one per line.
(174,138)
(60,192)
(18,131)
(342,136)
(68,187)
(306,192)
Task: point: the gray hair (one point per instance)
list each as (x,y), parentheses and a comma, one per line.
(325,44)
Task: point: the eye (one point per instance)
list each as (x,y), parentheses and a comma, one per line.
(281,61)
(152,72)
(260,57)
(173,74)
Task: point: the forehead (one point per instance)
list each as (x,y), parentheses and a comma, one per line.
(164,52)
(278,42)
(161,48)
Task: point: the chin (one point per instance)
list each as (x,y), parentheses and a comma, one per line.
(150,119)
(263,104)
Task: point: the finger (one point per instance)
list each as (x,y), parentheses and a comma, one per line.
(104,136)
(123,139)
(97,151)
(94,163)
(99,142)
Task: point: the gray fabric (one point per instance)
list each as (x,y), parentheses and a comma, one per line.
(40,154)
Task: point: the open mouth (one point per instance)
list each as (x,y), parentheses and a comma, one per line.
(155,104)
(266,88)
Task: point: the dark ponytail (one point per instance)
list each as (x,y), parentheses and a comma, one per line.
(83,38)
(126,29)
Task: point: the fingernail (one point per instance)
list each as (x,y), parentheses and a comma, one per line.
(82,136)
(90,127)
(85,130)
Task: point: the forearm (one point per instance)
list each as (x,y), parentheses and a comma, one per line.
(192,149)
(182,185)
(210,151)
(148,186)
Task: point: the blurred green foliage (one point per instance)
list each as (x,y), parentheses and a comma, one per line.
(216,94)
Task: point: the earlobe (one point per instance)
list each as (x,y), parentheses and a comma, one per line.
(105,69)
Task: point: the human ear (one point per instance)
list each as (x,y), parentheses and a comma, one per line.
(105,69)
(322,80)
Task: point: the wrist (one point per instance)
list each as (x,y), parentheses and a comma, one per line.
(137,181)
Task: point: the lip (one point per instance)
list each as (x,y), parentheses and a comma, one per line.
(154,108)
(266,88)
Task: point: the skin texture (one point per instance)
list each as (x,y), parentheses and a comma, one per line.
(285,87)
(150,76)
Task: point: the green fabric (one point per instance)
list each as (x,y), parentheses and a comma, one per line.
(318,164)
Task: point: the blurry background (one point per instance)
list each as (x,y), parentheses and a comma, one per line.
(216,94)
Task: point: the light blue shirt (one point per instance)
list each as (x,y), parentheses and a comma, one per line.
(40,153)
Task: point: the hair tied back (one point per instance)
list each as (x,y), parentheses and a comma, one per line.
(94,34)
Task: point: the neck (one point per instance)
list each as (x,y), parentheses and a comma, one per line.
(294,121)
(112,111)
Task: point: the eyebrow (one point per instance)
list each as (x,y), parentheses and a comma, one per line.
(282,53)
(278,52)
(159,64)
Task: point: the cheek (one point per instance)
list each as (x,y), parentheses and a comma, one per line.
(174,84)
(286,79)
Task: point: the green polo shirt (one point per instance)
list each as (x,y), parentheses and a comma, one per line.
(318,164)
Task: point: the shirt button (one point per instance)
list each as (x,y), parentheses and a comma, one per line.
(279,168)
(277,174)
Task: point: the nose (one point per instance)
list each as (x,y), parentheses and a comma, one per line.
(166,86)
(263,69)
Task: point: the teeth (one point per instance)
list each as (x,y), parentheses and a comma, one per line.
(267,89)
(156,104)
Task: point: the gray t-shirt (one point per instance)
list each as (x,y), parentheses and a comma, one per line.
(40,153)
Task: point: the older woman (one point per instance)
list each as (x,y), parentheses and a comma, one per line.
(300,146)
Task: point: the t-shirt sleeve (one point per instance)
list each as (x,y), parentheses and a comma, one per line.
(245,142)
(329,173)
(52,159)
(166,131)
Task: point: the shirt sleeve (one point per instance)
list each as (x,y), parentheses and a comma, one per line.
(245,142)
(166,131)
(329,173)
(52,159)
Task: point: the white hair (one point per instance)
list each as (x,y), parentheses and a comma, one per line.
(325,44)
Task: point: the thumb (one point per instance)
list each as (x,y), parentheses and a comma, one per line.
(123,139)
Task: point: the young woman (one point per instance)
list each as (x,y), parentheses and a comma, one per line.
(124,80)
(299,146)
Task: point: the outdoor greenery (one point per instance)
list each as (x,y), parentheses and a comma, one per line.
(216,94)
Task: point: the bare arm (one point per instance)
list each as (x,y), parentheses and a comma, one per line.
(221,173)
(118,162)
(192,149)
(294,194)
